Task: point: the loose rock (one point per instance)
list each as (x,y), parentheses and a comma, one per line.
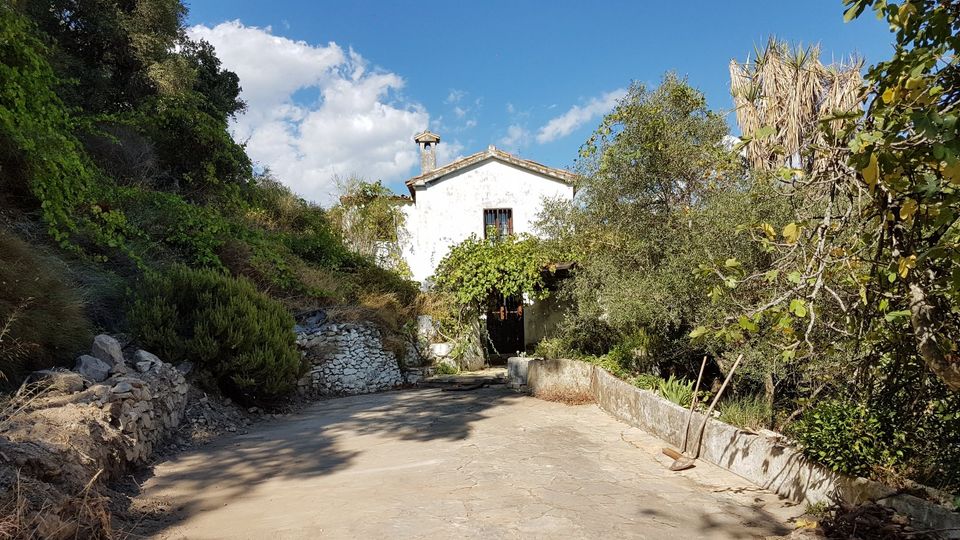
(108,349)
(92,368)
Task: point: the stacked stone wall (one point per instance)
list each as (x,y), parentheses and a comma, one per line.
(346,359)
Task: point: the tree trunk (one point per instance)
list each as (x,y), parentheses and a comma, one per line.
(921,318)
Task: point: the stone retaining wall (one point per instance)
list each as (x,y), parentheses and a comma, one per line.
(347,359)
(767,461)
(65,432)
(139,395)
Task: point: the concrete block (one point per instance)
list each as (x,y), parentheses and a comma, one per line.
(517,367)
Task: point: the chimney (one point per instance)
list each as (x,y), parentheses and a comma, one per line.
(427,142)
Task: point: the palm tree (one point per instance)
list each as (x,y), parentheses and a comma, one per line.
(781,98)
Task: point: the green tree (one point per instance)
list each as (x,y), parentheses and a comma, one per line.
(783,313)
(907,153)
(219,86)
(871,253)
(111,54)
(44,165)
(653,176)
(372,223)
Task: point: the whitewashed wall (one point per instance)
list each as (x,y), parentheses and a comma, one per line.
(449,210)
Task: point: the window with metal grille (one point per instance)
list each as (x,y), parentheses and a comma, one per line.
(498,222)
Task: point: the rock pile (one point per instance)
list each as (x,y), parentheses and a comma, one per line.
(139,397)
(65,430)
(346,359)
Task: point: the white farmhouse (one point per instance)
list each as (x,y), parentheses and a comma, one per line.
(469,196)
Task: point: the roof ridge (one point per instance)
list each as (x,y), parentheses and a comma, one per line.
(493,152)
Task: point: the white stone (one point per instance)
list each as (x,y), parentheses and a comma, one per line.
(440,350)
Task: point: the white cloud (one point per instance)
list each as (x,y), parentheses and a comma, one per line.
(577,116)
(455,96)
(459,112)
(360,124)
(448,152)
(516,137)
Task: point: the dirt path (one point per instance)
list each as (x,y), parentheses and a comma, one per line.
(433,464)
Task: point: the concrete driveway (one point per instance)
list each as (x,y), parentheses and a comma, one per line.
(431,464)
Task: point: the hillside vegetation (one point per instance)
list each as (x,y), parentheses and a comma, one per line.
(118,177)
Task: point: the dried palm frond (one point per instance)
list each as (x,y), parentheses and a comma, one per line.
(788,90)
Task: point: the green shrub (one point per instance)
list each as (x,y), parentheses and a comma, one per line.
(44,165)
(194,147)
(239,336)
(844,436)
(588,336)
(301,226)
(608,363)
(42,322)
(749,412)
(446,368)
(551,348)
(679,391)
(171,227)
(634,352)
(646,381)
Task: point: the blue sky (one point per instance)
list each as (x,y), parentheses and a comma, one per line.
(339,88)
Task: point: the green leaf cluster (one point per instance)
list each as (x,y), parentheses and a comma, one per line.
(38,153)
(907,154)
(845,437)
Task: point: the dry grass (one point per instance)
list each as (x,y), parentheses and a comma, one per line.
(565,396)
(385,311)
(42,319)
(382,309)
(33,509)
(55,455)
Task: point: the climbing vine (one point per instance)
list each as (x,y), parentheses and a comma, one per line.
(37,149)
(476,268)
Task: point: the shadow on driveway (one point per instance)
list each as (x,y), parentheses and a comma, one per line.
(305,445)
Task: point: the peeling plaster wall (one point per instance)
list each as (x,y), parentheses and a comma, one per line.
(450,209)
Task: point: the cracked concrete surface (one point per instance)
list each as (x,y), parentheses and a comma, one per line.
(434,464)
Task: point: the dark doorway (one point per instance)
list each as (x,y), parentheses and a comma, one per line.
(504,324)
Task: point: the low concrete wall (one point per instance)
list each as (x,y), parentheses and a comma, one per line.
(763,460)
(550,375)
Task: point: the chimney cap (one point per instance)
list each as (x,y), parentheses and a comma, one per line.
(426,137)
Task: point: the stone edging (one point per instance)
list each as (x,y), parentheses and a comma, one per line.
(766,461)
